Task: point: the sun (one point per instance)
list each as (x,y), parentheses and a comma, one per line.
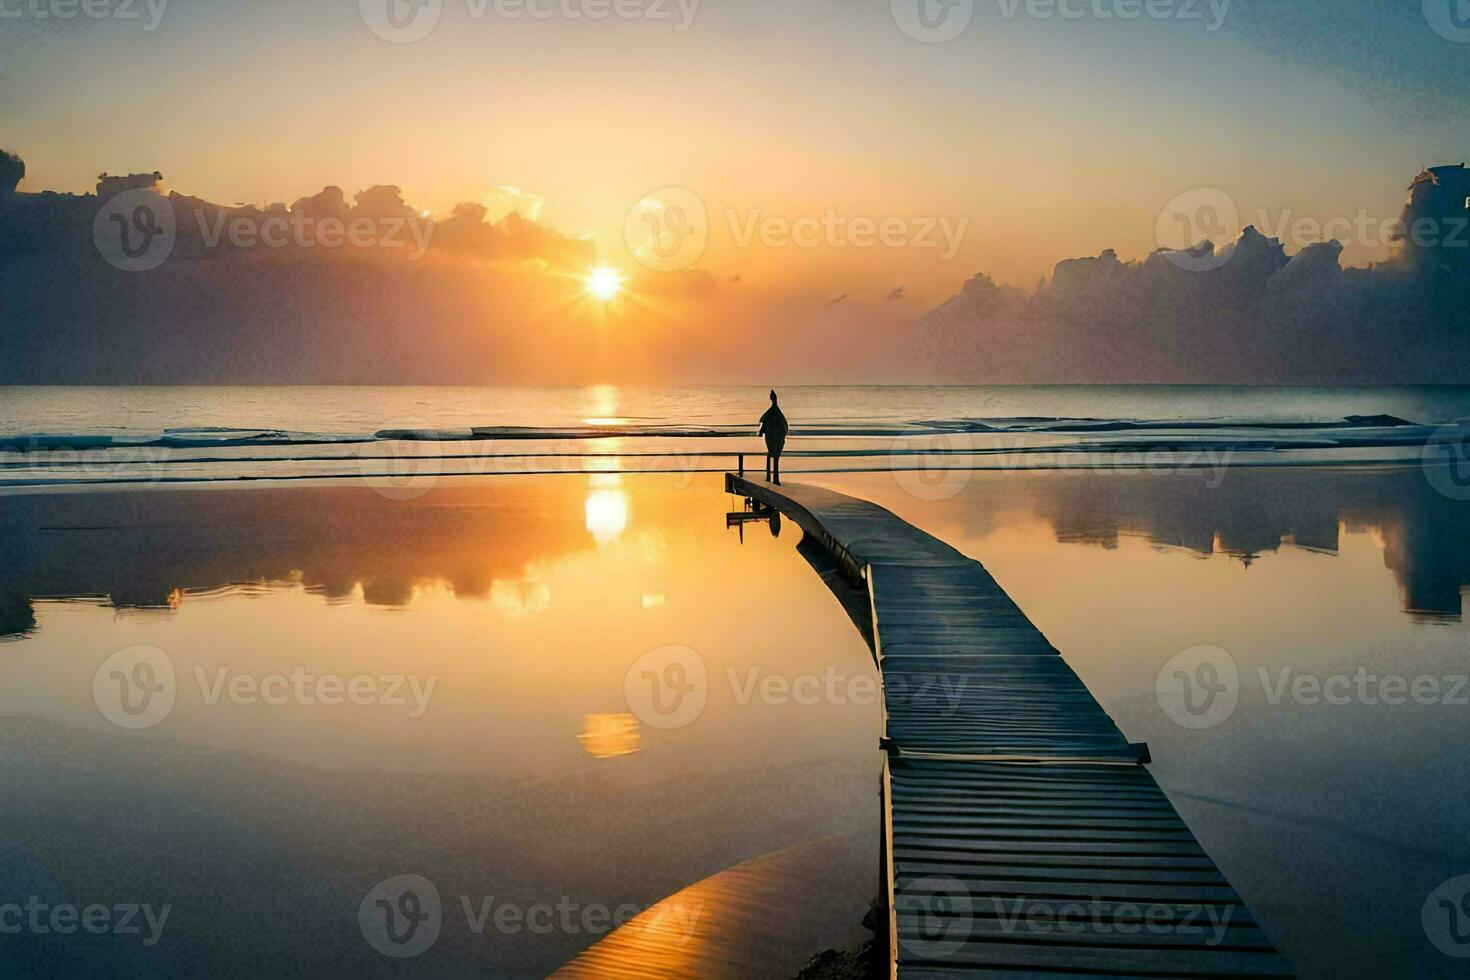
(604,283)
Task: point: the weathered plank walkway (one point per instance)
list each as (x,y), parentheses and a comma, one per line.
(1022,834)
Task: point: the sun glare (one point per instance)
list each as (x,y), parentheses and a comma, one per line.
(604,283)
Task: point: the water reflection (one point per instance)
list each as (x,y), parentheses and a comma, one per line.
(154,550)
(607,509)
(533,683)
(610,736)
(1333,819)
(1425,537)
(525,778)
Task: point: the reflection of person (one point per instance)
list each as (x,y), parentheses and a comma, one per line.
(774,428)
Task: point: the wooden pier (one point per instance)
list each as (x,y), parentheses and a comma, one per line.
(1022,834)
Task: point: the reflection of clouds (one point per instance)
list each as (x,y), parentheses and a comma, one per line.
(339,544)
(652,600)
(520,597)
(1424,535)
(610,736)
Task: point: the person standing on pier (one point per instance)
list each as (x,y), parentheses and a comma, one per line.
(774,427)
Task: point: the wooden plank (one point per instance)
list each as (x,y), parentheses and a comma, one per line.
(1021,836)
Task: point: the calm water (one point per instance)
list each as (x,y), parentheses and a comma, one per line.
(348,410)
(515,762)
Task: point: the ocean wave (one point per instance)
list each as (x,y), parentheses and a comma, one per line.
(1349,427)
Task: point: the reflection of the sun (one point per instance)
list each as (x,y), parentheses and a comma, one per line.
(607,503)
(607,514)
(610,736)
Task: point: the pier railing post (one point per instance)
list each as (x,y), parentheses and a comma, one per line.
(741,457)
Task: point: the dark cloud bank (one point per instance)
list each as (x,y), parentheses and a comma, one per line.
(491,302)
(1260,315)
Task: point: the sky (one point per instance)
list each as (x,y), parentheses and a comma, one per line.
(1047,136)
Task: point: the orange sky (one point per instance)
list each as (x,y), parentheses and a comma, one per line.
(1044,140)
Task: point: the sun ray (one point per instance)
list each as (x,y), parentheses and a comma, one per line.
(604,283)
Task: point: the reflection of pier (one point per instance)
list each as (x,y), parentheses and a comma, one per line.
(1022,834)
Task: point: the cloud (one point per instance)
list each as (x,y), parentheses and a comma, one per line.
(1241,313)
(500,299)
(509,199)
(12,171)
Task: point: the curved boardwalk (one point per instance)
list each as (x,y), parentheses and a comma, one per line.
(1023,836)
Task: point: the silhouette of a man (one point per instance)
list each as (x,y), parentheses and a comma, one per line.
(774,427)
